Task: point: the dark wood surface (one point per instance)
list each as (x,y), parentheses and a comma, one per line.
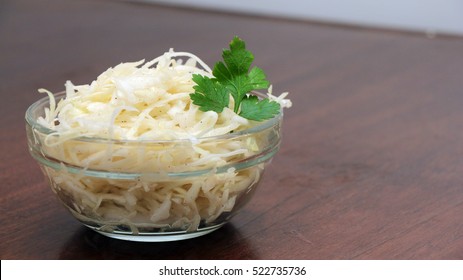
(371,165)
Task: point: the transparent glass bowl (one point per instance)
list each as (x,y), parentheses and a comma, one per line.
(138,196)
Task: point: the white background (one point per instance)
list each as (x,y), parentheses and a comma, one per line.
(430,16)
(149,270)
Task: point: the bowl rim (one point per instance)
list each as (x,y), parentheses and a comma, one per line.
(260,126)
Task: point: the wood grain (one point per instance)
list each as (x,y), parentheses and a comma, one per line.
(372,157)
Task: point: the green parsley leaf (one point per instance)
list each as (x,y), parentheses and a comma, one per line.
(232,76)
(234,72)
(257,79)
(238,59)
(258,110)
(209,94)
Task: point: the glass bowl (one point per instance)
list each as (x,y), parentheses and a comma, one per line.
(140,197)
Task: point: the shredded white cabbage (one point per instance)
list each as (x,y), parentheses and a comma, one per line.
(148,101)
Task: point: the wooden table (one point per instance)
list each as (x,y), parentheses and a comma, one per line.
(371,165)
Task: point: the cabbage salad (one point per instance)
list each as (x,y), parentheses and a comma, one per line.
(107,126)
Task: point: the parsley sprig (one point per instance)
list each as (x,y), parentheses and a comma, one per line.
(232,76)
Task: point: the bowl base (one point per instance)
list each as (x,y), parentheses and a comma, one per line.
(158,236)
